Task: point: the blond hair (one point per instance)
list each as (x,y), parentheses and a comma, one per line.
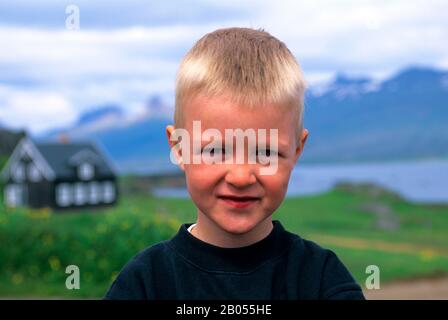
(249,67)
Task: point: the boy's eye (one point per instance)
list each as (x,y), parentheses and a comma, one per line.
(266,152)
(212,151)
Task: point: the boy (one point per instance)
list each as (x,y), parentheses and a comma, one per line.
(236,79)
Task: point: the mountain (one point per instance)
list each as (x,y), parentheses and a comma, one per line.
(402,117)
(141,147)
(98,114)
(96,119)
(135,144)
(156,108)
(349,119)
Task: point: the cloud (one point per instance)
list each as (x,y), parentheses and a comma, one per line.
(34,109)
(91,67)
(87,68)
(127,51)
(366,37)
(48,55)
(117,14)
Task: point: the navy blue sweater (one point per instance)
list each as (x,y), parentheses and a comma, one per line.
(280,266)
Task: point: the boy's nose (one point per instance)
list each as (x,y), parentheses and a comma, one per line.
(240,176)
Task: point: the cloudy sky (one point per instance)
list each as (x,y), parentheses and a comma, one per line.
(126,51)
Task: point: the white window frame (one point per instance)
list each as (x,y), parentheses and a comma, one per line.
(109,192)
(86,171)
(13,194)
(64,194)
(18,172)
(94,192)
(80,194)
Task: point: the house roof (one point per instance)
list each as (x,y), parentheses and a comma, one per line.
(59,159)
(62,157)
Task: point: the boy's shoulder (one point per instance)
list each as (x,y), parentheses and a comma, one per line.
(303,262)
(305,252)
(323,267)
(131,282)
(148,256)
(307,247)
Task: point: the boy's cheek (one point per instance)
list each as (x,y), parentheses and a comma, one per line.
(276,185)
(198,171)
(200,181)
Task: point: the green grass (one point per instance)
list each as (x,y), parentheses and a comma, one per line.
(341,213)
(36,246)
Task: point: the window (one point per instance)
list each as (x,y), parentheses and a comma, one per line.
(94,192)
(13,195)
(85,171)
(80,194)
(108,191)
(63,195)
(18,172)
(33,173)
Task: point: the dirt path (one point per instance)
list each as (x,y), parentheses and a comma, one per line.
(418,289)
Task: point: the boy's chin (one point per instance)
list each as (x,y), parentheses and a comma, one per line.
(238,227)
(237,230)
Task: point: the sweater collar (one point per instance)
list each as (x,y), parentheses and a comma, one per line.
(233,260)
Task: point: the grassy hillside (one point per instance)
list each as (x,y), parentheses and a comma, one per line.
(363,225)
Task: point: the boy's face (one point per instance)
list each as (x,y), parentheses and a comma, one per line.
(210,184)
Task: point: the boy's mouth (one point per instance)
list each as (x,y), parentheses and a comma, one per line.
(238,201)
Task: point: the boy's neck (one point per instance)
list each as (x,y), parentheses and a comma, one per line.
(207,231)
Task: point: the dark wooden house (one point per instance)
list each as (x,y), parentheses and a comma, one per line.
(59,176)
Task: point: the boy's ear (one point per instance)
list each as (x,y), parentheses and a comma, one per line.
(299,149)
(177,153)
